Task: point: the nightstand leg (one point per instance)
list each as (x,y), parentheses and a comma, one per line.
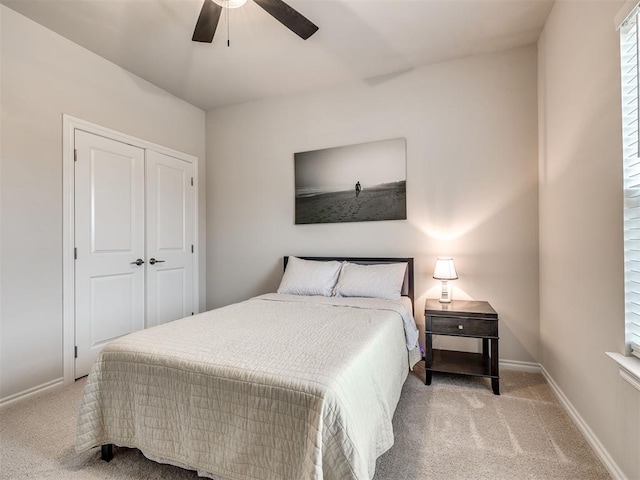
(495,382)
(428,358)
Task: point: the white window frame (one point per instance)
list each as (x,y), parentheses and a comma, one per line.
(630,87)
(628,22)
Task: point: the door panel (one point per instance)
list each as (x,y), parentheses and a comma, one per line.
(109,235)
(171,194)
(111,319)
(172,295)
(170,212)
(114,229)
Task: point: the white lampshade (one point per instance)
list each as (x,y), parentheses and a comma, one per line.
(445,270)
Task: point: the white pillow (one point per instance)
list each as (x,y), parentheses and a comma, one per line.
(380,281)
(309,277)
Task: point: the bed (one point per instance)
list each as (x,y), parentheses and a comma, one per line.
(298,384)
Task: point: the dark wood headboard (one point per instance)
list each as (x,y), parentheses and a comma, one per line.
(407,288)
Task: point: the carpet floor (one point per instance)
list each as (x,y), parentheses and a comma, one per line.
(454,429)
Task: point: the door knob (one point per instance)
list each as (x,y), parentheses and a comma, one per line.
(137,262)
(153,261)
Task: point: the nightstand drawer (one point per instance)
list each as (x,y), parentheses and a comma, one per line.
(462,326)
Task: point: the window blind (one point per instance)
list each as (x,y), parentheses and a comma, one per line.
(631,170)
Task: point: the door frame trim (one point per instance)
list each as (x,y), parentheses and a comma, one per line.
(69,125)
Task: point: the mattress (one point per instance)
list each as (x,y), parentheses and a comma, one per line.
(276,387)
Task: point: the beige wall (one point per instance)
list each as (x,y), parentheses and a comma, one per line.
(471,130)
(43,76)
(581,255)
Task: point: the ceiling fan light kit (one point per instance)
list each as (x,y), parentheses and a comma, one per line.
(230,3)
(290,18)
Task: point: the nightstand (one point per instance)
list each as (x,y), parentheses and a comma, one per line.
(462,318)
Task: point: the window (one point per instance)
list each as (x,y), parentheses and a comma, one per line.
(631,171)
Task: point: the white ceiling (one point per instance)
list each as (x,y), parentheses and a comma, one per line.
(358,40)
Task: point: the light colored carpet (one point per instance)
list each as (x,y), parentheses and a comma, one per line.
(454,429)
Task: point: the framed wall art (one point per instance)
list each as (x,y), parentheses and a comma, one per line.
(353,183)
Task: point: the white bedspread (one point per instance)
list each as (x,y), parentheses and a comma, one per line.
(269,388)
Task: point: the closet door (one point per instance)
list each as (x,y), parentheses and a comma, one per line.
(109,241)
(170,211)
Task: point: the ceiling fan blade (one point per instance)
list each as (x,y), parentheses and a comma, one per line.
(289,17)
(207,22)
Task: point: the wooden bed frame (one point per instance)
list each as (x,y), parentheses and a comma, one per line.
(407,290)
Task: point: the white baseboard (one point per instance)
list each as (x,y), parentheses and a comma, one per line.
(31,392)
(584,428)
(519,366)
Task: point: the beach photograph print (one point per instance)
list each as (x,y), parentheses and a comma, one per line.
(354,183)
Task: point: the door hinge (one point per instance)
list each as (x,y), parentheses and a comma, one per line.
(75,155)
(192,181)
(75,253)
(75,351)
(191,248)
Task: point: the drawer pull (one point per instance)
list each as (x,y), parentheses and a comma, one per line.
(460,327)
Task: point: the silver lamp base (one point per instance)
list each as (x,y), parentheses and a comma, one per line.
(444,297)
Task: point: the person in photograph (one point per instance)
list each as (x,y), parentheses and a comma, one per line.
(358,188)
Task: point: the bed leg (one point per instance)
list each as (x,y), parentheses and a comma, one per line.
(107,452)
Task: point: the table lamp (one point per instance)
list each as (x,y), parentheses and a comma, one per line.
(445,271)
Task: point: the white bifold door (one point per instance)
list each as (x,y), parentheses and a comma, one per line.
(134,266)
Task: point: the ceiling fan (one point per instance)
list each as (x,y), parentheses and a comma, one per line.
(290,18)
